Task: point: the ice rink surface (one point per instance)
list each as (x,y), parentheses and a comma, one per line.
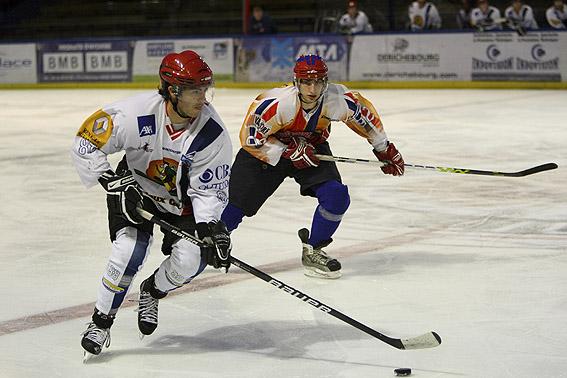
(480,260)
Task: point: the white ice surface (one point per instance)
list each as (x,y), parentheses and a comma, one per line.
(480,260)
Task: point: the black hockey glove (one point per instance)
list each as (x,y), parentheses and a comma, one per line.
(217,251)
(126,196)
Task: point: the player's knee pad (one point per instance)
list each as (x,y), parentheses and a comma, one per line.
(180,267)
(333,198)
(129,252)
(232,216)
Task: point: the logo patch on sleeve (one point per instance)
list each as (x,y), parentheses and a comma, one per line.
(147,125)
(97,129)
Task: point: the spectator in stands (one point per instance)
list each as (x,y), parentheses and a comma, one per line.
(486,17)
(521,15)
(261,22)
(464,15)
(557,15)
(423,15)
(354,21)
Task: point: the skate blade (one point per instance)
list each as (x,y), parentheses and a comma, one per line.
(87,356)
(141,335)
(318,273)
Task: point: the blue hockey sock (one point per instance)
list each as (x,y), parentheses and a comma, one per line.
(333,202)
(232,216)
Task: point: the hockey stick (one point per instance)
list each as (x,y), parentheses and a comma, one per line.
(427,340)
(525,172)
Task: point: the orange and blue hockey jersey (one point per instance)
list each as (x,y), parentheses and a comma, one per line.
(279,110)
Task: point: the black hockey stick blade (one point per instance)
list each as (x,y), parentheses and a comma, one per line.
(427,340)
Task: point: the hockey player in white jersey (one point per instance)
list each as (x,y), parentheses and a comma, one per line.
(521,15)
(486,17)
(282,132)
(177,155)
(556,15)
(423,15)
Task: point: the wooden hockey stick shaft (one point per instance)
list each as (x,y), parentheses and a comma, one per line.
(427,340)
(467,171)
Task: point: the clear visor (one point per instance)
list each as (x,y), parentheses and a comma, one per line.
(193,94)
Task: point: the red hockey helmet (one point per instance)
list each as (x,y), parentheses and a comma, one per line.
(310,67)
(186,69)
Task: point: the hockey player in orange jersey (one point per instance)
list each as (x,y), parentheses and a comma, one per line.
(282,132)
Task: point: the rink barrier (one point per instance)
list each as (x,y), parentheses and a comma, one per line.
(266,85)
(453,60)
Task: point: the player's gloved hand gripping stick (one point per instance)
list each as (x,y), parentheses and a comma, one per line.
(427,340)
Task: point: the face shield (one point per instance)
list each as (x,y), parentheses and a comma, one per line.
(195,94)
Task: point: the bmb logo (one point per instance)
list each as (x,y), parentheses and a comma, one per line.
(147,125)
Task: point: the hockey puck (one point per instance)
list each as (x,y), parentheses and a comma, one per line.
(402,372)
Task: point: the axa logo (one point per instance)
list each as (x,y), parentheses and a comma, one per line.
(147,125)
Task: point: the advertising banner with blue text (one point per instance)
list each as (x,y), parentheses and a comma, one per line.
(272,58)
(217,52)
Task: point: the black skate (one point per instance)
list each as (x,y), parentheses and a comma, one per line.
(94,339)
(148,307)
(315,261)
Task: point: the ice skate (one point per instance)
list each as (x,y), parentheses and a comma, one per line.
(316,262)
(94,339)
(148,307)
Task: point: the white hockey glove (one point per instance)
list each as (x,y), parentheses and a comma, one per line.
(124,195)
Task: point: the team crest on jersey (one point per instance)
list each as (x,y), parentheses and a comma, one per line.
(162,172)
(147,125)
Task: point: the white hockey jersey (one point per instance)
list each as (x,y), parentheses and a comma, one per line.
(182,171)
(557,18)
(524,18)
(279,110)
(356,25)
(424,18)
(486,21)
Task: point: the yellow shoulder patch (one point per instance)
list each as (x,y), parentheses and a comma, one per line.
(97,129)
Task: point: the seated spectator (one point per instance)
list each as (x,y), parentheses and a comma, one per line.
(464,15)
(354,21)
(521,15)
(486,17)
(557,15)
(261,22)
(423,15)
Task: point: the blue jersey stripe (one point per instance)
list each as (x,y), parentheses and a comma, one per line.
(260,109)
(312,124)
(351,104)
